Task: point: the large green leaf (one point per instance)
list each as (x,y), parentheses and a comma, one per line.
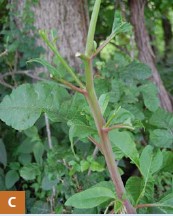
(124,142)
(135,71)
(150,163)
(11,178)
(3,153)
(134,187)
(24,105)
(90,198)
(149,93)
(162,119)
(161,138)
(30,171)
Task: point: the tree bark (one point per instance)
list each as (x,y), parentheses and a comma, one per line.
(69,18)
(145,51)
(167,33)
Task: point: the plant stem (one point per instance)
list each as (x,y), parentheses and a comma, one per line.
(107,129)
(97,115)
(104,139)
(99,49)
(92,26)
(63,62)
(147,205)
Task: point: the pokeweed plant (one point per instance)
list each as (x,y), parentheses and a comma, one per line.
(102,126)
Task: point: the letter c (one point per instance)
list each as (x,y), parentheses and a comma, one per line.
(9,202)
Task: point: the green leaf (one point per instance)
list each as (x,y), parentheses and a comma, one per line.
(30,172)
(84,165)
(2,180)
(134,187)
(106,184)
(135,71)
(26,146)
(52,70)
(79,129)
(118,207)
(3,153)
(72,109)
(124,143)
(41,207)
(161,138)
(118,25)
(167,161)
(25,159)
(38,152)
(157,161)
(121,116)
(32,133)
(136,111)
(150,162)
(166,204)
(95,166)
(11,178)
(47,184)
(103,102)
(24,106)
(149,93)
(162,119)
(90,198)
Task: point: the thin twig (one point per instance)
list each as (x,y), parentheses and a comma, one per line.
(80,90)
(52,197)
(102,45)
(147,205)
(95,142)
(3,53)
(27,73)
(48,131)
(2,82)
(122,49)
(117,126)
(96,150)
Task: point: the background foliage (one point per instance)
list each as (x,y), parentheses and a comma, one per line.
(37,157)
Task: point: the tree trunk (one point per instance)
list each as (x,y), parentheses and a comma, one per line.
(167,33)
(145,51)
(69,18)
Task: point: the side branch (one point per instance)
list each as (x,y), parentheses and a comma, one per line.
(147,205)
(117,126)
(99,49)
(80,90)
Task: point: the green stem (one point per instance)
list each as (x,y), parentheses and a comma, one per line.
(104,139)
(92,26)
(147,205)
(99,49)
(64,63)
(97,115)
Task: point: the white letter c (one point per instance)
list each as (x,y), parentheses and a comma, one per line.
(9,202)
